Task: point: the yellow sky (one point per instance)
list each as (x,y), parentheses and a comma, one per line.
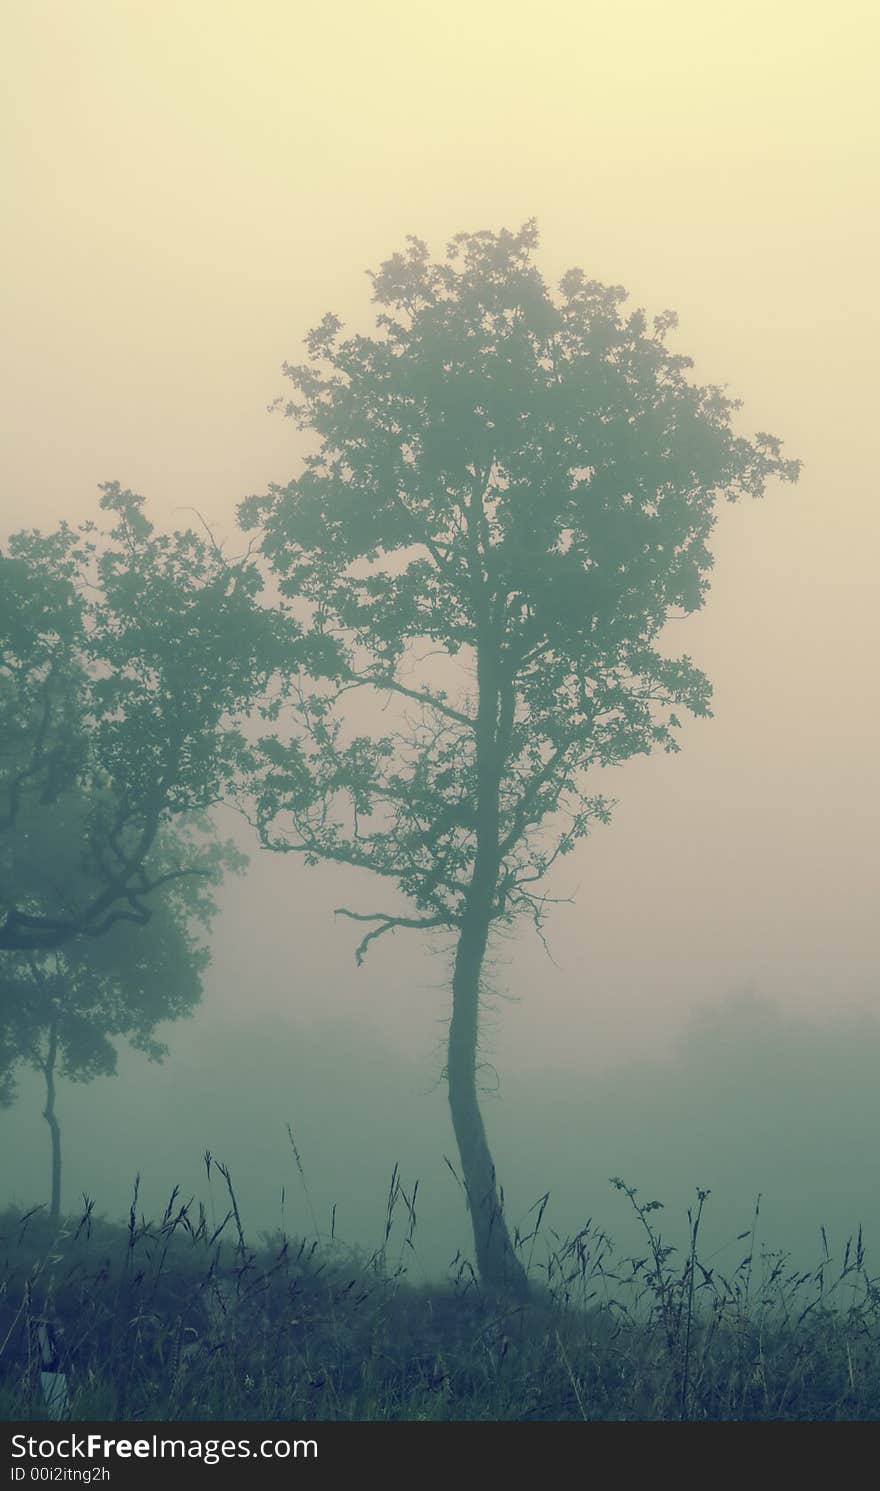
(189,186)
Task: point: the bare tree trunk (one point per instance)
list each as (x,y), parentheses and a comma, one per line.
(498,1265)
(54,1126)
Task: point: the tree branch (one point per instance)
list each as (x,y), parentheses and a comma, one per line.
(384,681)
(386,924)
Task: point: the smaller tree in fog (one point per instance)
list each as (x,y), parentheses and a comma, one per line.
(129,659)
(63,1011)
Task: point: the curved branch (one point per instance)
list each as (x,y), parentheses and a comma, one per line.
(386,924)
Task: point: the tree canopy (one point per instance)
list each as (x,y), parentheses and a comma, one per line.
(128,662)
(528,483)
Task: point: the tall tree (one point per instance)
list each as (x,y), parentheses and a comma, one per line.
(63,1011)
(128,660)
(523,483)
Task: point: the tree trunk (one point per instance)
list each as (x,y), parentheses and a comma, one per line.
(498,1264)
(54,1127)
(499,1267)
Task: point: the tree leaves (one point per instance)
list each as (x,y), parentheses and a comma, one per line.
(129,661)
(524,483)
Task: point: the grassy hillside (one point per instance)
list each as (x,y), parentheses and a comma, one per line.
(184,1318)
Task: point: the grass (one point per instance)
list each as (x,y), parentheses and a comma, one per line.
(183,1318)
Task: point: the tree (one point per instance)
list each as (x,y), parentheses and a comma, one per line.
(62,1010)
(524,484)
(128,662)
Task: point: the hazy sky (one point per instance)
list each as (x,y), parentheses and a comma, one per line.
(189,187)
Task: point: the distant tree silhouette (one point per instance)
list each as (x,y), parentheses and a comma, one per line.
(127,660)
(509,494)
(62,1010)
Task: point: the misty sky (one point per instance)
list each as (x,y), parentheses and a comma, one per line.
(188,188)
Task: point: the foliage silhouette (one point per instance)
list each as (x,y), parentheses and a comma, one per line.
(128,661)
(511,493)
(63,1009)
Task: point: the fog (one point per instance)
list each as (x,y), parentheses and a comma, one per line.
(750,1104)
(188,190)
